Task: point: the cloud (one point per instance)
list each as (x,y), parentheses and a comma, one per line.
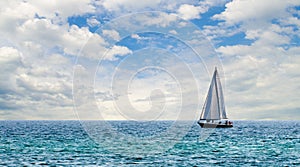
(93,22)
(35,90)
(219,31)
(136,36)
(37,81)
(127,5)
(188,12)
(62,9)
(116,51)
(15,13)
(292,20)
(10,61)
(113,34)
(74,38)
(159,20)
(39,31)
(9,55)
(173,32)
(243,11)
(214,2)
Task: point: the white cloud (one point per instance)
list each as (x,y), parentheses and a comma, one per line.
(159,20)
(113,34)
(173,32)
(290,21)
(188,12)
(46,34)
(39,31)
(63,9)
(116,51)
(136,36)
(14,13)
(38,78)
(8,55)
(128,5)
(10,61)
(93,22)
(221,30)
(120,7)
(36,89)
(214,2)
(272,38)
(94,48)
(245,11)
(43,33)
(74,38)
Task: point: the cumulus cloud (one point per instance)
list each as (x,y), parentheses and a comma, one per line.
(214,2)
(188,12)
(117,5)
(37,80)
(39,31)
(160,20)
(239,11)
(264,21)
(62,9)
(116,51)
(9,55)
(10,61)
(35,89)
(74,38)
(113,34)
(15,13)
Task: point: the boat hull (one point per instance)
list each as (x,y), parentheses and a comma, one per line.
(210,125)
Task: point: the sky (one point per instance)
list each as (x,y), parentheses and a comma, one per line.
(148,60)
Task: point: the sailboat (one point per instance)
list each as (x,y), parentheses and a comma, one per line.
(213,113)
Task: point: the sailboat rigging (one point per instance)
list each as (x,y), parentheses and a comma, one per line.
(214,113)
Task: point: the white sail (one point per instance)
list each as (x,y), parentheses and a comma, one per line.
(214,106)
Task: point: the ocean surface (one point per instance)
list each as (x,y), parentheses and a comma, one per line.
(60,143)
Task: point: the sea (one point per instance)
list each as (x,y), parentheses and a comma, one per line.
(153,143)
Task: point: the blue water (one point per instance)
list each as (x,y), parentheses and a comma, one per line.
(248,143)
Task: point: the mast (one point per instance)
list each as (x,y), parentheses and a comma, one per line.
(217,92)
(221,103)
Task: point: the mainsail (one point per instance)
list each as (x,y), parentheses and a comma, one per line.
(214,106)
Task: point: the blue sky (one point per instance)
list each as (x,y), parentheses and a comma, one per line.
(129,59)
